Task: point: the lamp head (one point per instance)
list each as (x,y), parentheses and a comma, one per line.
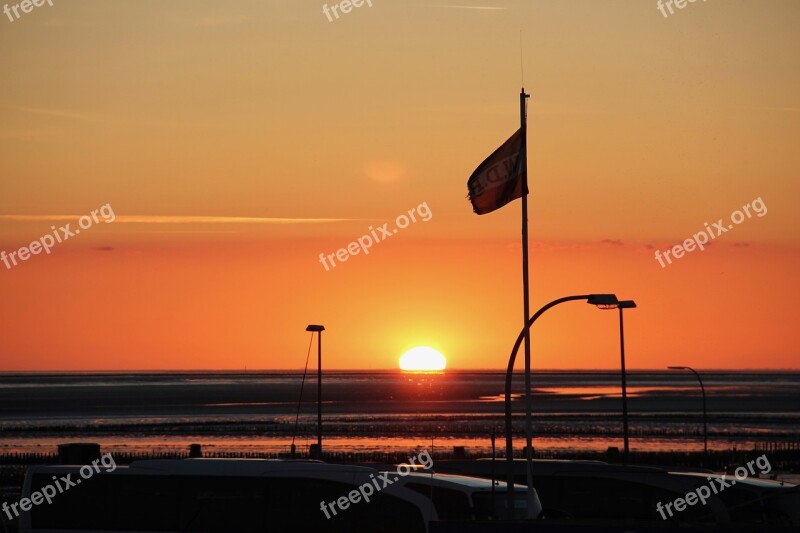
(627,304)
(603,301)
(315,327)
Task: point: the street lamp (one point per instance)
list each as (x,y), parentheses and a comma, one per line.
(626,304)
(602,301)
(705,414)
(319,329)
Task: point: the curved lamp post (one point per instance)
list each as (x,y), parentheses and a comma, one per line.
(603,301)
(702,390)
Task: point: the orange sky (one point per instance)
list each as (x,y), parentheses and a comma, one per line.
(641,128)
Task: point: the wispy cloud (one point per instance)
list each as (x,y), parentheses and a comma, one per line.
(179,219)
(501,108)
(214,22)
(778,109)
(85,117)
(484,8)
(63,23)
(56,113)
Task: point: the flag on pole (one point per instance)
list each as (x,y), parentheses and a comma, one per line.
(501,177)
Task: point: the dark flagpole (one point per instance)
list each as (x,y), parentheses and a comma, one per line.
(526,311)
(526,308)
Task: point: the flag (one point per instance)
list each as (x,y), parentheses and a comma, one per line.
(501,177)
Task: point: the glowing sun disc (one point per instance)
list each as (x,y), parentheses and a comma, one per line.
(422,359)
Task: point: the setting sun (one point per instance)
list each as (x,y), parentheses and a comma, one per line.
(422,359)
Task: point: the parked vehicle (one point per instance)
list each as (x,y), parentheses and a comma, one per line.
(458,497)
(224,495)
(597,491)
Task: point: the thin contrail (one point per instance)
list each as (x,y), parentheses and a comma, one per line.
(179,219)
(57,113)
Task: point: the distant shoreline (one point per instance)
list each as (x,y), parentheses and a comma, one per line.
(14,373)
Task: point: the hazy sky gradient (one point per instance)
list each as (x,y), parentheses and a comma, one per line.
(641,128)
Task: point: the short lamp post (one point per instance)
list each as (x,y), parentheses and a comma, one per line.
(319,329)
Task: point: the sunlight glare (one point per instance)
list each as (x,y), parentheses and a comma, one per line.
(422,359)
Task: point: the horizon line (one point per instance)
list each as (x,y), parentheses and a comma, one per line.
(340,370)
